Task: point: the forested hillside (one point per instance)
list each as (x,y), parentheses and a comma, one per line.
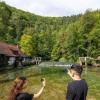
(55,38)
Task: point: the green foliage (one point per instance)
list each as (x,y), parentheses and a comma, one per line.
(59,50)
(55,55)
(63,59)
(5,14)
(94,38)
(26,45)
(51,38)
(83,37)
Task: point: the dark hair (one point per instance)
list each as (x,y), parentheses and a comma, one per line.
(78,68)
(16,86)
(22,78)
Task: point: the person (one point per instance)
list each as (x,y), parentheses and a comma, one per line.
(19,84)
(78,88)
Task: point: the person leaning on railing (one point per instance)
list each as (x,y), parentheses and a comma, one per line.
(16,92)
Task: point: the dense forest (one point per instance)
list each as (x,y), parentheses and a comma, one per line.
(53,38)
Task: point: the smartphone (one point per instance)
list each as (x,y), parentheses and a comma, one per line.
(42,79)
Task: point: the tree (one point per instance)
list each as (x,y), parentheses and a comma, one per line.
(94,38)
(59,46)
(27,45)
(5,14)
(55,54)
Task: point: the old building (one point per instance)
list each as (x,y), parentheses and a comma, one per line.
(9,54)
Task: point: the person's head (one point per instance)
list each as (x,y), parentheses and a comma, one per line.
(75,71)
(17,86)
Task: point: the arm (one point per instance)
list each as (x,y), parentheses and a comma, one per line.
(40,91)
(70,93)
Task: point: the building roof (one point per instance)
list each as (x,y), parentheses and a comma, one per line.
(9,50)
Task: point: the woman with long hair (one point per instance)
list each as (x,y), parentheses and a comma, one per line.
(17,87)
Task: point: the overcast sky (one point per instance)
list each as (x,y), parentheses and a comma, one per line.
(54,7)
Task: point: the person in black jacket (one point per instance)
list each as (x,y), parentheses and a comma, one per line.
(77,89)
(16,92)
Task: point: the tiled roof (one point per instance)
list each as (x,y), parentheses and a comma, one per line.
(9,50)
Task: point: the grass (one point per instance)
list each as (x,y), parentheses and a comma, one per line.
(57,81)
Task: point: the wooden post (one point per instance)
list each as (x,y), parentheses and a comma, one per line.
(85,65)
(36,61)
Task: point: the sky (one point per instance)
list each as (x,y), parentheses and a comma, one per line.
(55,7)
